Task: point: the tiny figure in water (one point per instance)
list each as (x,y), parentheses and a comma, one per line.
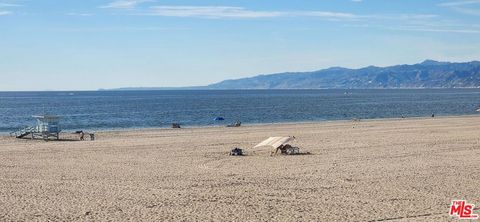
(433,115)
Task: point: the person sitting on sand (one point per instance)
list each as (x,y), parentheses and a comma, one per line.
(283,148)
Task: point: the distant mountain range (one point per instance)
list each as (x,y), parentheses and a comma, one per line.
(154,88)
(428,74)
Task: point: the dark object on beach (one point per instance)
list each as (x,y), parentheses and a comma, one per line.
(176,125)
(235,124)
(82,134)
(219,118)
(433,115)
(236,152)
(287,149)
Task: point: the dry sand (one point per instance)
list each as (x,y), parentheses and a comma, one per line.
(375,170)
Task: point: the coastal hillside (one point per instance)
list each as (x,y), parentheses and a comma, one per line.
(428,74)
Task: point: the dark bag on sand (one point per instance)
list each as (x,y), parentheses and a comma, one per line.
(236,152)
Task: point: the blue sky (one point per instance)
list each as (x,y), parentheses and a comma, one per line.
(86,44)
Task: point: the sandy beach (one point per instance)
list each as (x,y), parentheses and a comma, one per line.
(372,170)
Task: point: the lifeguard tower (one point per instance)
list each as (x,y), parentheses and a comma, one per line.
(47,127)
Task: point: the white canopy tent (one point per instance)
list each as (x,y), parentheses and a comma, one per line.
(275,142)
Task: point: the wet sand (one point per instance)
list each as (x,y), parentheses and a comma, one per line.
(372,170)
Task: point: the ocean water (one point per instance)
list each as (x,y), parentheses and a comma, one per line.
(102,110)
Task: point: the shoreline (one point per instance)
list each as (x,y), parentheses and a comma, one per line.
(245,125)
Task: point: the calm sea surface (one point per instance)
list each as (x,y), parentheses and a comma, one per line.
(145,109)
